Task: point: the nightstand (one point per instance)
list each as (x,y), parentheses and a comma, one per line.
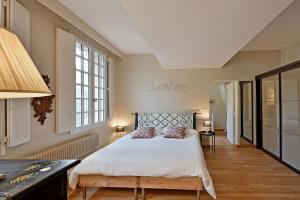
(209,134)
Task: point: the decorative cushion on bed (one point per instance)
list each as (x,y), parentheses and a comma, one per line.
(164,130)
(144,132)
(174,132)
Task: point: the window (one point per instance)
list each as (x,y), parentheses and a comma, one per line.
(82,85)
(90,86)
(99,87)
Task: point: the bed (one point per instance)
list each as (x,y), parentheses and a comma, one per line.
(156,163)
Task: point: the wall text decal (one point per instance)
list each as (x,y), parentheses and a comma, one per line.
(167,86)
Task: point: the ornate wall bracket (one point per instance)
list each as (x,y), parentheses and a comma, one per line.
(43,105)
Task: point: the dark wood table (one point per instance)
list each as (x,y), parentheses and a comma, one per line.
(35,179)
(209,134)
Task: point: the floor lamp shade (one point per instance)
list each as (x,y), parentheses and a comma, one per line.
(19,77)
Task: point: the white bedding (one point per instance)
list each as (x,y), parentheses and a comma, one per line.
(155,157)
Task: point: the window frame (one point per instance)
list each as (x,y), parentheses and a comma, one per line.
(91,71)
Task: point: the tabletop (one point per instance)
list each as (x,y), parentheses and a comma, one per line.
(23,175)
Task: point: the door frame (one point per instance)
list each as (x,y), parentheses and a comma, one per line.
(259,125)
(231,118)
(236,114)
(241,109)
(236,108)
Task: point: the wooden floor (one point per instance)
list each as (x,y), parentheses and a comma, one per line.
(239,173)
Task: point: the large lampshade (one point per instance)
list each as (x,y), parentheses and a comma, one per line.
(19,78)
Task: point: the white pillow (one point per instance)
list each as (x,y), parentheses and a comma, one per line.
(158,130)
(164,130)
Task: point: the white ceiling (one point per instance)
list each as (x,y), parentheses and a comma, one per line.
(109,18)
(180,33)
(282,32)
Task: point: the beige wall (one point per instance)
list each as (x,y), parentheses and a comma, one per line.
(290,54)
(136,73)
(43,27)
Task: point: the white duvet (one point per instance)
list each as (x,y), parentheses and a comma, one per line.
(155,157)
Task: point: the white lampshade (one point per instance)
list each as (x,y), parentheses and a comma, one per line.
(207,123)
(19,77)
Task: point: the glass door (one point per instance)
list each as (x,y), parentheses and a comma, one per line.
(290,102)
(270,114)
(247,110)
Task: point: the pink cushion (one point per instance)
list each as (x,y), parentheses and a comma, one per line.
(175,132)
(144,132)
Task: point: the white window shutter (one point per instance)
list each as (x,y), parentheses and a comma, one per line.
(65,81)
(20,23)
(2,119)
(18,121)
(18,110)
(111,87)
(2,107)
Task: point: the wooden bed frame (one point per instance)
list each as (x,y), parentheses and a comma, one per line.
(135,182)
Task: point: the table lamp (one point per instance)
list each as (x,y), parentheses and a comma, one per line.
(207,124)
(19,77)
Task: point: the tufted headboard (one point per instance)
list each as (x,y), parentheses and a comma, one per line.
(187,119)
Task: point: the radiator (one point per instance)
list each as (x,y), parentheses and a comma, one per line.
(75,149)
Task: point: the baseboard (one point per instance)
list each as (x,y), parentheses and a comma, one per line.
(219,129)
(247,139)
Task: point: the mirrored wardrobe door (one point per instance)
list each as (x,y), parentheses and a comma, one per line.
(270,114)
(247,110)
(290,102)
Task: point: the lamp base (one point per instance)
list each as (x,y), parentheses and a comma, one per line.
(2,176)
